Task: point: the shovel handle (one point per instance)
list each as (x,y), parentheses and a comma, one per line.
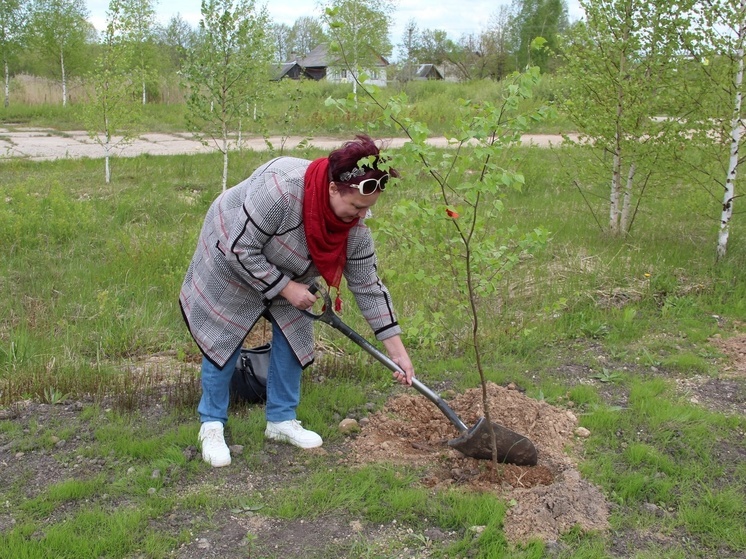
(333,320)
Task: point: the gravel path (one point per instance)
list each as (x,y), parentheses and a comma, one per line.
(43,144)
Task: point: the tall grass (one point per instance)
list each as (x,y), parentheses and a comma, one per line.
(286,107)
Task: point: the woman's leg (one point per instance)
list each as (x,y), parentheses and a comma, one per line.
(283,395)
(283,379)
(216,383)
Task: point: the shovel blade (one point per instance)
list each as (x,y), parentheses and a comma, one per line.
(512,448)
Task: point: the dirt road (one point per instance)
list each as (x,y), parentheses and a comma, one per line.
(43,144)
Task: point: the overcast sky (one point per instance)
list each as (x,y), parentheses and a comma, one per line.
(456,17)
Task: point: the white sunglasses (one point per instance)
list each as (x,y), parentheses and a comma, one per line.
(369,186)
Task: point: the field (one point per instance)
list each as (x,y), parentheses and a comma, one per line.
(622,358)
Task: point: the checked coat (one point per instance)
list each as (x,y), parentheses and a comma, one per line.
(251,245)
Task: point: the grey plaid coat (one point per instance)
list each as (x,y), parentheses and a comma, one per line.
(251,245)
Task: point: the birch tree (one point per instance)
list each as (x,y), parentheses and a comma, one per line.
(228,66)
(620,66)
(715,46)
(112,114)
(361,31)
(59,31)
(13,15)
(138,32)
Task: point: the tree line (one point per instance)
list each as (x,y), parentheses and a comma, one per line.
(643,81)
(54,39)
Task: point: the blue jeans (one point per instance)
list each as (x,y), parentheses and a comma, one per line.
(283,383)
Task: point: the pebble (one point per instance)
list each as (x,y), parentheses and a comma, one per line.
(236,449)
(582,432)
(349,425)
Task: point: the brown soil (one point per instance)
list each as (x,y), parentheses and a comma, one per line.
(550,498)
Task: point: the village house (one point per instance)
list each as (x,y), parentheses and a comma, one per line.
(320,64)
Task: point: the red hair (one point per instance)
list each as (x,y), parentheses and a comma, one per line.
(346,159)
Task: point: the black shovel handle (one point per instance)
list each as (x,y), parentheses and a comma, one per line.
(329,317)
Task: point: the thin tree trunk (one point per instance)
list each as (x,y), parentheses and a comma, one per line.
(627,203)
(616,172)
(225,156)
(7,83)
(107,149)
(735,140)
(64,79)
(616,180)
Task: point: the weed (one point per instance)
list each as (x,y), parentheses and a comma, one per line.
(53,396)
(608,376)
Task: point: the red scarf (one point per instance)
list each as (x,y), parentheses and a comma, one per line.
(326,234)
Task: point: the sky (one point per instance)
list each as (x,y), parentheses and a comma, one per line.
(455,17)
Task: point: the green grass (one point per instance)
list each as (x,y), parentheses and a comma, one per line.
(90,276)
(297,108)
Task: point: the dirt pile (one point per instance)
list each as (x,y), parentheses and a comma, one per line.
(550,497)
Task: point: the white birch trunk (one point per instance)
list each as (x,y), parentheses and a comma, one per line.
(735,141)
(627,203)
(107,149)
(7,83)
(225,157)
(616,172)
(144,93)
(616,179)
(64,79)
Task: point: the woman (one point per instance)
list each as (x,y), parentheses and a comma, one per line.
(263,243)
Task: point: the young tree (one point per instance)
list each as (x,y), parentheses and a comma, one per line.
(13,15)
(457,222)
(112,114)
(620,71)
(361,32)
(59,32)
(229,63)
(716,48)
(138,32)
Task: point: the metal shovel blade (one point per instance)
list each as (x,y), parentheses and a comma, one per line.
(511,447)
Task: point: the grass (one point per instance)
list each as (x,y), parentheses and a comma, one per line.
(290,107)
(90,275)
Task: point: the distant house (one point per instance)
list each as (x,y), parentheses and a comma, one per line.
(290,70)
(428,72)
(320,64)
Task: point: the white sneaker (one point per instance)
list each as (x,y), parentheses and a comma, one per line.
(291,432)
(214,450)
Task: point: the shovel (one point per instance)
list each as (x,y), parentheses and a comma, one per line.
(475,442)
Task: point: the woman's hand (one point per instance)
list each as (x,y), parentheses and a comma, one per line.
(398,354)
(298,295)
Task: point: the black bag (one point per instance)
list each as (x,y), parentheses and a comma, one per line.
(249,382)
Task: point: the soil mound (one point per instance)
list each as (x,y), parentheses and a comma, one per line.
(550,498)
